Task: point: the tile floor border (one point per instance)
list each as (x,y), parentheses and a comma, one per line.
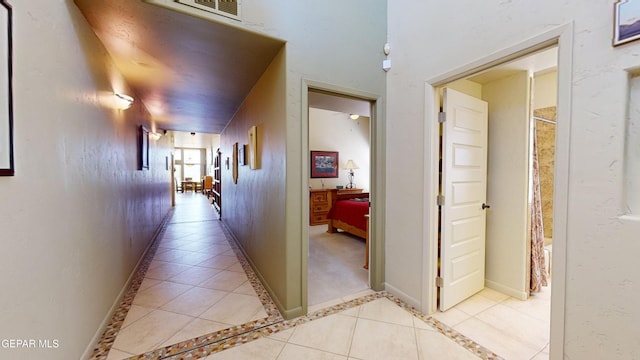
(269,305)
(246,335)
(115,324)
(113,328)
(208,344)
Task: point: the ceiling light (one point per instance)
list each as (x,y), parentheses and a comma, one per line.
(354,116)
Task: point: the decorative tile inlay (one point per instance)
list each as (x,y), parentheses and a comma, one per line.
(114,326)
(208,344)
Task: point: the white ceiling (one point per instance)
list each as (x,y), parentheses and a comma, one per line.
(192,74)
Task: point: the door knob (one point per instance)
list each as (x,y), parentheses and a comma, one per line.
(485,206)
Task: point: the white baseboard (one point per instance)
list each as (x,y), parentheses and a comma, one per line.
(403,296)
(520,295)
(88,352)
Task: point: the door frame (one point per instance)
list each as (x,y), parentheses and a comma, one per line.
(562,37)
(377,182)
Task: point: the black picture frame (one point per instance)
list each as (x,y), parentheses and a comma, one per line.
(324,164)
(7,165)
(626,21)
(242,157)
(143,148)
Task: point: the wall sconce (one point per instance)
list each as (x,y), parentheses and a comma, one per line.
(354,116)
(124,101)
(350,166)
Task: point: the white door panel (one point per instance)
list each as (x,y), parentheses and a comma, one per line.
(464,187)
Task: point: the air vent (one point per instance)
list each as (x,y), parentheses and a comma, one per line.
(228,8)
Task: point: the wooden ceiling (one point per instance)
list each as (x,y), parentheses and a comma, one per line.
(192,74)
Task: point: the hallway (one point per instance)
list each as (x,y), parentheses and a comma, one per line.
(195,295)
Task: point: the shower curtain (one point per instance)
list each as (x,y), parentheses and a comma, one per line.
(538,269)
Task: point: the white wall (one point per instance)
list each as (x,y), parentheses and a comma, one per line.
(197,141)
(632,159)
(334,131)
(601,309)
(78,215)
(508,237)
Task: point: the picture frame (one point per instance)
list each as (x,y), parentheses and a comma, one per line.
(324,164)
(143,148)
(234,166)
(242,159)
(626,21)
(7,166)
(252,148)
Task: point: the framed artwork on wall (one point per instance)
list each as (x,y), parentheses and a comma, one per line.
(6,102)
(324,164)
(242,159)
(252,148)
(626,23)
(143,148)
(234,166)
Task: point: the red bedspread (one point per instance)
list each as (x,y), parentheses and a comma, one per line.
(351,212)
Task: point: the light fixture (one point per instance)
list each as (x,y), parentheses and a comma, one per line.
(350,166)
(124,101)
(354,116)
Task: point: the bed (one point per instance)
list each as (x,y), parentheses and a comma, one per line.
(350,213)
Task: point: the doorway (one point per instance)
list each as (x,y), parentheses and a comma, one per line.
(516,102)
(340,225)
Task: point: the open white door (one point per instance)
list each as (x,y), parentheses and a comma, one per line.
(464,189)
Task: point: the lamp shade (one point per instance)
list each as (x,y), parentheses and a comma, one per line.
(351,165)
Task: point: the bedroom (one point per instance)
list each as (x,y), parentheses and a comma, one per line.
(339,144)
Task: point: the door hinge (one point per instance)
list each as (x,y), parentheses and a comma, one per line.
(440,200)
(439,282)
(442,117)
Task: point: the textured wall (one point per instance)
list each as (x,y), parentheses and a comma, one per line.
(546,141)
(78,215)
(602,281)
(254,208)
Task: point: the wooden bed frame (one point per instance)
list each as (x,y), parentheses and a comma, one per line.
(334,225)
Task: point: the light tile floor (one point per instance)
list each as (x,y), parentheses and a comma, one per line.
(195,285)
(376,330)
(514,329)
(196,292)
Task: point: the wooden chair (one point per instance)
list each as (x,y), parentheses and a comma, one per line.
(178,185)
(208,185)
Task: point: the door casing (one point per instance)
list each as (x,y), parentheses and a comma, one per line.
(562,37)
(377,181)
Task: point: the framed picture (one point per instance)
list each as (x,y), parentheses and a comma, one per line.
(252,148)
(242,159)
(626,23)
(6,102)
(234,166)
(324,164)
(143,148)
